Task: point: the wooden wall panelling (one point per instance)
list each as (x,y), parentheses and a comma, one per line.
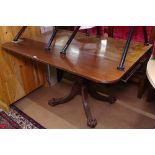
(18,75)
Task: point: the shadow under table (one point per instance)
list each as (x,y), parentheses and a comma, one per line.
(90,59)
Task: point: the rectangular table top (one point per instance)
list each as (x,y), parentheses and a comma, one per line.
(93,58)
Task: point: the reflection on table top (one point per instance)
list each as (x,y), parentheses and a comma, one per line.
(90,57)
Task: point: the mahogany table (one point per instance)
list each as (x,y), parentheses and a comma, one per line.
(91,59)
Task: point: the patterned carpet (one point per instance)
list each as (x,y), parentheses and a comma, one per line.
(16,119)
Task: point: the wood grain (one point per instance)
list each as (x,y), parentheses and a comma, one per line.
(18,75)
(93,58)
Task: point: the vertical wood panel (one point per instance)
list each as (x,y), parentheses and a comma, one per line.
(18,75)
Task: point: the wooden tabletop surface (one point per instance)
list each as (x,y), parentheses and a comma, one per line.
(93,58)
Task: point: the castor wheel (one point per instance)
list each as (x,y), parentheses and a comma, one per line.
(112,99)
(92,123)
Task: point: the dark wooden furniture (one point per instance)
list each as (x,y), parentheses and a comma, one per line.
(89,59)
(141,73)
(140,76)
(75,29)
(74,33)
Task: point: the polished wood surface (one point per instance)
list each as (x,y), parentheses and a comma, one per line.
(18,75)
(93,58)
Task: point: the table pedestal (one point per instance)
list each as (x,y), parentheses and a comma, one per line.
(82,86)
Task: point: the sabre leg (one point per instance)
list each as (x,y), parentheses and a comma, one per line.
(20,32)
(91,121)
(74,91)
(125,50)
(146,43)
(52,38)
(70,40)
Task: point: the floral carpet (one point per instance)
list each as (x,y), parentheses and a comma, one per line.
(16,119)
